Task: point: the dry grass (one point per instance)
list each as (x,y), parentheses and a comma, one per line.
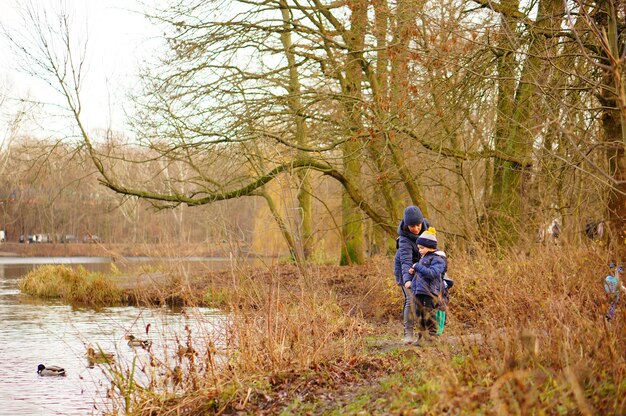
(280,320)
(544,346)
(71,285)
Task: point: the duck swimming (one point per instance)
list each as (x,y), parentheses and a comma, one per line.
(136,342)
(99,356)
(51,370)
(184,351)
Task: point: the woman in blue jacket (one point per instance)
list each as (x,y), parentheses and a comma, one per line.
(411,227)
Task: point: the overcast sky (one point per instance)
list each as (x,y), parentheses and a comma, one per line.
(119,38)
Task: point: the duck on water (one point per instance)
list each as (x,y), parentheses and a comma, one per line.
(136,342)
(98,357)
(52,370)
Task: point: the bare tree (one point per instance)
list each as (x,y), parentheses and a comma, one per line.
(446,105)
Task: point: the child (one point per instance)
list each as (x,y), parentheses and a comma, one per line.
(428,284)
(412,225)
(612,287)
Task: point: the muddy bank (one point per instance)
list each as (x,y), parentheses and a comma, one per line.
(162,288)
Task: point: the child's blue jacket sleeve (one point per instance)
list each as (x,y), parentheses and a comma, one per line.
(436,269)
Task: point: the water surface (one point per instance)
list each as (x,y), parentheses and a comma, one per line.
(34,331)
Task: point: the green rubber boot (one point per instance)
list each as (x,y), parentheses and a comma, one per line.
(440,316)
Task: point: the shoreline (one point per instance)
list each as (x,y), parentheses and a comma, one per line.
(113,250)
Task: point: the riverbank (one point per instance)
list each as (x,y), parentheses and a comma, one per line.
(525,335)
(150,284)
(156,281)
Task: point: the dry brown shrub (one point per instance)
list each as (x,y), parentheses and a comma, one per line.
(541,341)
(544,340)
(280,320)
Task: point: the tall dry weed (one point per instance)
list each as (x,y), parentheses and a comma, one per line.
(275,323)
(545,342)
(540,343)
(282,324)
(525,334)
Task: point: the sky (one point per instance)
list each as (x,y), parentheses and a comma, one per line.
(119,39)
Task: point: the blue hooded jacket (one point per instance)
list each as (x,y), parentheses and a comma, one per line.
(429,274)
(406,253)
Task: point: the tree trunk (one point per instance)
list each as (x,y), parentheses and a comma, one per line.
(304,187)
(406,14)
(284,229)
(381,243)
(352,219)
(613,100)
(498,209)
(515,137)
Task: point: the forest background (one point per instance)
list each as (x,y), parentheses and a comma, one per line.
(306,128)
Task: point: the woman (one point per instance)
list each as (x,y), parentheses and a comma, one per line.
(411,227)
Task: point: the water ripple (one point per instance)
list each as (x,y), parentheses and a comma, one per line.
(53,334)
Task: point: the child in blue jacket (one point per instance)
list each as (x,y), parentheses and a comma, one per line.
(428,285)
(412,225)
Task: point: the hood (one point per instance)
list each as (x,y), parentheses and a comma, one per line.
(403,230)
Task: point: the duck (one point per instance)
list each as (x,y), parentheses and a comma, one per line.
(99,356)
(176,375)
(136,342)
(184,351)
(52,370)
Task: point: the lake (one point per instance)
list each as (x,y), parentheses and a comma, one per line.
(34,331)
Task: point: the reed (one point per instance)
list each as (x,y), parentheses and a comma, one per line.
(526,335)
(71,285)
(279,321)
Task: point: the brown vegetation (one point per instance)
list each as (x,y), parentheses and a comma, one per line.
(526,334)
(70,285)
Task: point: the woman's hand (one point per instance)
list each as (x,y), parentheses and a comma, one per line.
(408,284)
